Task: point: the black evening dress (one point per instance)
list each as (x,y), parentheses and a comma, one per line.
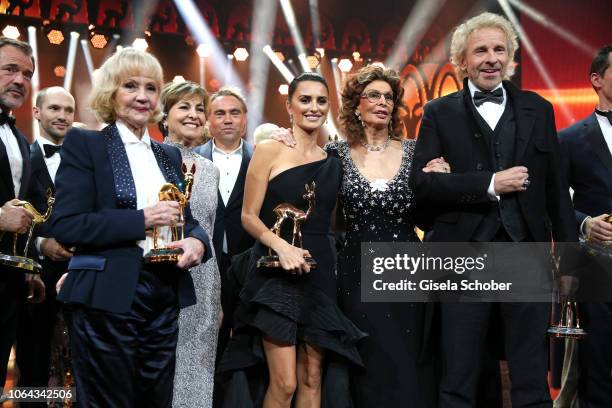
(398,369)
(289,308)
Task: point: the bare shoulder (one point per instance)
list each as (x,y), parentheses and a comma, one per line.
(269,148)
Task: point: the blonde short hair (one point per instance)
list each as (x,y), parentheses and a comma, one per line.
(484,20)
(122,65)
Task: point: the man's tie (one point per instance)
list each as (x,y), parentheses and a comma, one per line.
(496,96)
(50,149)
(607,114)
(6,118)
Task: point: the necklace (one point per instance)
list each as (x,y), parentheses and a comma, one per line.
(376,148)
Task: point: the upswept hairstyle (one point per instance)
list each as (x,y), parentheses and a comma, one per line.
(351,95)
(174,92)
(304,77)
(108,78)
(484,20)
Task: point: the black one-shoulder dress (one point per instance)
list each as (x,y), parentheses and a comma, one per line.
(289,308)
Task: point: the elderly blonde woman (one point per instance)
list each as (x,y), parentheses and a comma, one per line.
(184,105)
(124,312)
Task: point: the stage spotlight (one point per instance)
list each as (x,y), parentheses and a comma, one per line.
(241,54)
(11,31)
(91,27)
(98,41)
(283,89)
(313,61)
(345,65)
(282,68)
(204,50)
(356,56)
(178,78)
(321,51)
(55,36)
(59,71)
(280,56)
(140,44)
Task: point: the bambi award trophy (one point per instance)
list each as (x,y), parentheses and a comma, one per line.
(161,254)
(286,211)
(22,261)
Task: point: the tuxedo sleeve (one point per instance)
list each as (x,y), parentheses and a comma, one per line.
(455,188)
(566,171)
(79,218)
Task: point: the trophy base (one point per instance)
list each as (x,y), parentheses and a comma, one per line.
(21,262)
(159,256)
(567,332)
(272,261)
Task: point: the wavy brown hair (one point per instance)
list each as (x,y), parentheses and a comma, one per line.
(351,95)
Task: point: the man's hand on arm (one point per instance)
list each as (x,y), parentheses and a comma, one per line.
(511,180)
(193,251)
(53,250)
(598,229)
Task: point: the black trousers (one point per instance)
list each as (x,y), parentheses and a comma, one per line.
(595,356)
(10,296)
(464,328)
(128,359)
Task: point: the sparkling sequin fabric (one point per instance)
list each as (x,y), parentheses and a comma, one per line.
(376,210)
(199,324)
(380,211)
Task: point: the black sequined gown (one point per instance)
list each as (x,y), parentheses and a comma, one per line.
(395,374)
(288,308)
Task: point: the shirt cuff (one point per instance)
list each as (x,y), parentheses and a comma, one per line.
(491,189)
(37,243)
(583,225)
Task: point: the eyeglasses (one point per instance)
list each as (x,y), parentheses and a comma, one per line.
(374,96)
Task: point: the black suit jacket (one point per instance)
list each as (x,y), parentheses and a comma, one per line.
(7,189)
(587,165)
(40,183)
(458,201)
(90,214)
(228,217)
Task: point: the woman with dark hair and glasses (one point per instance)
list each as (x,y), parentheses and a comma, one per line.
(288,327)
(377,205)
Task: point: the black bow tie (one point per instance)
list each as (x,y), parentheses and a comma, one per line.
(607,114)
(6,118)
(496,96)
(50,149)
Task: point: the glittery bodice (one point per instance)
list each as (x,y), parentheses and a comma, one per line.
(376,211)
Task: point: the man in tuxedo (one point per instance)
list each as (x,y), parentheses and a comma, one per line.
(16,70)
(228,150)
(503,184)
(54,110)
(586,152)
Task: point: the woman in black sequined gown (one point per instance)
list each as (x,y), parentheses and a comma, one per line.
(288,327)
(378,207)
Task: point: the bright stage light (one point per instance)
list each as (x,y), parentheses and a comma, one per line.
(55,36)
(178,78)
(11,31)
(98,41)
(357,56)
(283,89)
(241,54)
(313,61)
(321,51)
(140,44)
(282,68)
(280,56)
(59,71)
(203,50)
(345,65)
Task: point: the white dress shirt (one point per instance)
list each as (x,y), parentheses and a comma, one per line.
(491,113)
(148,179)
(52,162)
(229,167)
(14,156)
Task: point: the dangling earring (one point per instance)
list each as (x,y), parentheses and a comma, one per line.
(391,128)
(359,118)
(291,119)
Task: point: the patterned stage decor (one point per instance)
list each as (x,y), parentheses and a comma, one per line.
(422,83)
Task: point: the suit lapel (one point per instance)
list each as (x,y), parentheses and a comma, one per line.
(163,161)
(598,143)
(525,118)
(207,150)
(39,167)
(6,177)
(481,139)
(125,188)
